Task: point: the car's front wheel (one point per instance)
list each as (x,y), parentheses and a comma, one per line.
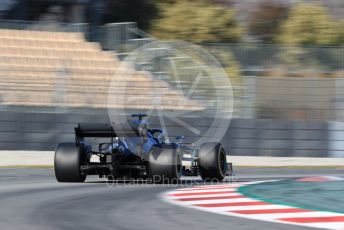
(67,163)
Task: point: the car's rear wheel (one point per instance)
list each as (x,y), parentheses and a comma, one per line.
(68,159)
(212,162)
(165,164)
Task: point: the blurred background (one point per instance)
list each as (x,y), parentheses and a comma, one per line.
(284,58)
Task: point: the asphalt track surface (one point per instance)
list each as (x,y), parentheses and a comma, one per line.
(32,199)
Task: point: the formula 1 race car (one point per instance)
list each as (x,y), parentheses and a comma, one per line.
(139,152)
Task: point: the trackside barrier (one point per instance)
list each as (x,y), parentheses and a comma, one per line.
(246,137)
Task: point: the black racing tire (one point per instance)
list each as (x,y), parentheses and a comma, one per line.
(212,162)
(165,165)
(67,163)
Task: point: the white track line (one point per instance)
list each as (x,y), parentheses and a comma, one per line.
(225,199)
(292,215)
(332,225)
(204,196)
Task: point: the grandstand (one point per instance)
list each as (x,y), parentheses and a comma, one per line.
(62,69)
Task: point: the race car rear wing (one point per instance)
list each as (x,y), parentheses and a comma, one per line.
(94,130)
(100,130)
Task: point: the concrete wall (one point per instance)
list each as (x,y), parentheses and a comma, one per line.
(257,137)
(297,98)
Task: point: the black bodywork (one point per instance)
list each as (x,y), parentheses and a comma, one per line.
(135,152)
(126,153)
